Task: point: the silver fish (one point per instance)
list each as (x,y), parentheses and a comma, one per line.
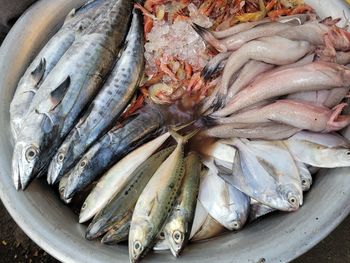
(108,104)
(125,200)
(305,176)
(75,23)
(266,172)
(156,201)
(320,150)
(226,204)
(177,230)
(112,147)
(67,90)
(117,234)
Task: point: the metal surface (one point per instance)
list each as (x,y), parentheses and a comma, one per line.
(38,211)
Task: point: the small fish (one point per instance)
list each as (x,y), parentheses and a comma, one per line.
(113,146)
(125,199)
(46,60)
(266,172)
(320,150)
(108,104)
(61,188)
(117,234)
(226,204)
(305,176)
(177,230)
(115,179)
(156,201)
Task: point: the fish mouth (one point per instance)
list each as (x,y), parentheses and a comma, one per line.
(53,172)
(72,182)
(22,169)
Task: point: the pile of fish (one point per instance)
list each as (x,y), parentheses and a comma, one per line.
(79,118)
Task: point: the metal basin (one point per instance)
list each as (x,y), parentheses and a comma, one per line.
(45,219)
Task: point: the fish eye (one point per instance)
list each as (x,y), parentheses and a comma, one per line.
(348,153)
(304,182)
(236,225)
(60,157)
(137,247)
(61,190)
(84,206)
(83,163)
(292,200)
(178,236)
(31,153)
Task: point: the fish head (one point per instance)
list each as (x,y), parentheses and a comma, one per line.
(56,165)
(340,156)
(306,183)
(86,213)
(25,159)
(140,238)
(175,234)
(290,196)
(78,175)
(96,228)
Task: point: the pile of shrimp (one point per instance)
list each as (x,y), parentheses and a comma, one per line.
(176,54)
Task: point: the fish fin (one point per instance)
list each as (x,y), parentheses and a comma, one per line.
(178,128)
(209,38)
(47,123)
(208,71)
(72,13)
(39,71)
(182,139)
(58,94)
(86,114)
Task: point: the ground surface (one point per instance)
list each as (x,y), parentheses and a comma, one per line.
(15,246)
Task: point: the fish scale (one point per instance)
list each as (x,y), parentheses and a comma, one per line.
(70,86)
(107,106)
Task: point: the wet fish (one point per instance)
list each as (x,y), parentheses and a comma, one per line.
(76,22)
(67,90)
(117,234)
(112,147)
(125,199)
(226,204)
(320,150)
(156,201)
(177,230)
(267,173)
(62,187)
(305,176)
(210,228)
(218,150)
(108,104)
(115,179)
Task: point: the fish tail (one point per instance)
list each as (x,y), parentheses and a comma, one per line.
(209,38)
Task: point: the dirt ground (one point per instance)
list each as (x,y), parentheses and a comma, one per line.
(16,247)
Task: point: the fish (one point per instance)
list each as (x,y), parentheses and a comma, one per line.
(299,114)
(116,235)
(125,198)
(75,23)
(270,50)
(214,65)
(113,146)
(266,172)
(178,227)
(305,176)
(266,131)
(157,200)
(319,150)
(225,203)
(70,86)
(108,105)
(118,176)
(61,188)
(313,76)
(218,150)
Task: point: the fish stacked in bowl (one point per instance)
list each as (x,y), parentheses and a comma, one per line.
(268,122)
